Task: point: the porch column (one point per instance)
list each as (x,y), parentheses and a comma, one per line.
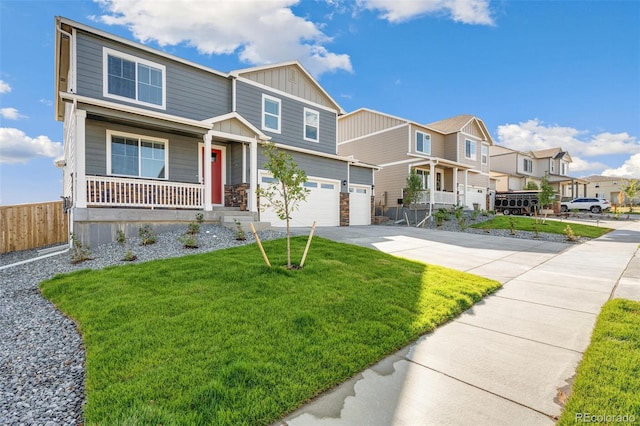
(432,183)
(81,160)
(455,183)
(253,177)
(244,162)
(206,158)
(466,188)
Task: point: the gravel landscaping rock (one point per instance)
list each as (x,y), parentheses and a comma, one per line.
(41,354)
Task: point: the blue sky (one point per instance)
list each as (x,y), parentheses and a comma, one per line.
(541,74)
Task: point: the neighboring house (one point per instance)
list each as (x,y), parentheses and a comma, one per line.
(607,187)
(451,156)
(513,170)
(153,138)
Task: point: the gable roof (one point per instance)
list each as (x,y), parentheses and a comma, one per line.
(555,153)
(293,72)
(458,123)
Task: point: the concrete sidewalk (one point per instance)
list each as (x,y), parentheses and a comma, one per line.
(507,360)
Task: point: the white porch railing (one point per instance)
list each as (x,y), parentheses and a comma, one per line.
(440,197)
(123,192)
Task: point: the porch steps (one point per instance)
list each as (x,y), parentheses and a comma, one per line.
(229,218)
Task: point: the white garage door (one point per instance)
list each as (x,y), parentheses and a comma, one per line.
(359,205)
(322,204)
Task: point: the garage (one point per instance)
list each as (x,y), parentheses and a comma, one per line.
(359,205)
(322,203)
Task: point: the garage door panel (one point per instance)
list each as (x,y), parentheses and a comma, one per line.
(322,205)
(359,205)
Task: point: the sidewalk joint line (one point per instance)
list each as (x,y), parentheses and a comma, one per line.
(544,304)
(552,417)
(519,337)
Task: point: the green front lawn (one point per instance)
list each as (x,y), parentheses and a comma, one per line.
(218,338)
(550,226)
(607,383)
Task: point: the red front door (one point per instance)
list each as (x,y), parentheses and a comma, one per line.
(216,174)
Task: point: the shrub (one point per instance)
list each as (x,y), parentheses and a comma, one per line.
(189,241)
(79,253)
(121,238)
(240,234)
(147,234)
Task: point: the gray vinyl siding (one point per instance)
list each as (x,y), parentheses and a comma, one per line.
(360,175)
(315,166)
(249,105)
(234,153)
(191,92)
(183,151)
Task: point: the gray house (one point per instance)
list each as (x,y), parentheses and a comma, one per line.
(153,138)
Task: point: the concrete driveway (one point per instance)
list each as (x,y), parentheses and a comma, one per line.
(510,358)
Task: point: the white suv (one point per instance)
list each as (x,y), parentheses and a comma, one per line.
(594,205)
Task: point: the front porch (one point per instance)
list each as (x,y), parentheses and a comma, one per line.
(109,191)
(439,197)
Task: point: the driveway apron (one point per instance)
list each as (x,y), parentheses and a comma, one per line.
(510,359)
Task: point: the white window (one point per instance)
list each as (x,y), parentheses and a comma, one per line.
(132,79)
(310,184)
(470,148)
(327,186)
(484,154)
(528,165)
(564,168)
(271,113)
(553,167)
(424,175)
(311,125)
(136,156)
(423,143)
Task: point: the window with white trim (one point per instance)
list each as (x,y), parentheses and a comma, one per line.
(470,148)
(564,167)
(136,155)
(528,165)
(133,79)
(484,154)
(423,143)
(271,113)
(424,176)
(311,125)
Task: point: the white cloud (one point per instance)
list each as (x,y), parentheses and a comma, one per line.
(10,114)
(4,87)
(17,147)
(260,32)
(465,11)
(534,135)
(630,169)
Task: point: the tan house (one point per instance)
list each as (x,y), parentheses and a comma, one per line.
(451,156)
(513,170)
(607,187)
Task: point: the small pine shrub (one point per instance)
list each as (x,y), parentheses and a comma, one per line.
(512,225)
(79,253)
(194,228)
(189,241)
(240,234)
(129,256)
(200,218)
(148,235)
(121,238)
(568,232)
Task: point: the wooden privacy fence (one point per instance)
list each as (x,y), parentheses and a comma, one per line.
(28,226)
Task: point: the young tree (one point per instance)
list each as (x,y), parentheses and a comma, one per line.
(631,188)
(412,191)
(287,192)
(531,185)
(546,195)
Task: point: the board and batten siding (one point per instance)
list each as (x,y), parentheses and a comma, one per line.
(362,123)
(249,105)
(183,151)
(191,92)
(380,148)
(319,167)
(290,80)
